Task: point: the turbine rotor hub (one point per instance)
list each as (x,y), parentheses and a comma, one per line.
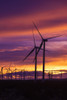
(45,40)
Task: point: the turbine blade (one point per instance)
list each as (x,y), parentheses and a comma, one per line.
(54,37)
(39,47)
(37,30)
(29,54)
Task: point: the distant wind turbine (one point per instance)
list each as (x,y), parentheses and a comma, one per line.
(43,43)
(34,49)
(2,72)
(12,72)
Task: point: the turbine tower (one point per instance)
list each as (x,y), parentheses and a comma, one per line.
(43,43)
(34,49)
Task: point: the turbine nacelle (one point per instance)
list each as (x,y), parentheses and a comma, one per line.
(45,40)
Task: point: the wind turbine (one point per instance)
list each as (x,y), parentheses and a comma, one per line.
(34,49)
(7,69)
(43,43)
(12,72)
(2,72)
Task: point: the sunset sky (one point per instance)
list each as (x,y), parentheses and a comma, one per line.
(16,37)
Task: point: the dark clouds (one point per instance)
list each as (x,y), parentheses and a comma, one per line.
(53,22)
(17,52)
(17,16)
(25,7)
(16,28)
(42,24)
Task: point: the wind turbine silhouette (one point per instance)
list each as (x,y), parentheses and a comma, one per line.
(34,49)
(43,43)
(12,72)
(2,72)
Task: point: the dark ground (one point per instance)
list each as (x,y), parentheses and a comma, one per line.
(33,90)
